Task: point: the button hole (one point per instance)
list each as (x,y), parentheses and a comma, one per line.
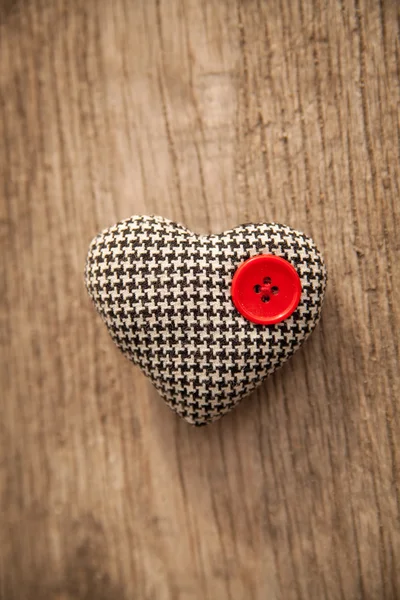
(257,289)
(265,298)
(267,280)
(275,290)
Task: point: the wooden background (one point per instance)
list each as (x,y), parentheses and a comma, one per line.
(212,113)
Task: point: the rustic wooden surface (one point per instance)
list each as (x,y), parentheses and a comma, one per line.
(211,113)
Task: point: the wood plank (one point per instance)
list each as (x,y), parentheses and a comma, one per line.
(212,114)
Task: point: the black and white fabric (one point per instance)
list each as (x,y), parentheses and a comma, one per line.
(165,296)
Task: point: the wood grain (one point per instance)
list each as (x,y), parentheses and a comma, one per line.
(212,113)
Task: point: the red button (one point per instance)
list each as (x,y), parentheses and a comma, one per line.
(266,289)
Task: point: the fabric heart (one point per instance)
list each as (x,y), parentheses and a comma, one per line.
(165,296)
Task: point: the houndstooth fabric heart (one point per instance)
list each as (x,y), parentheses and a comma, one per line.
(165,296)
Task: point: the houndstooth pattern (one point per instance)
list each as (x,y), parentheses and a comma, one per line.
(165,296)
